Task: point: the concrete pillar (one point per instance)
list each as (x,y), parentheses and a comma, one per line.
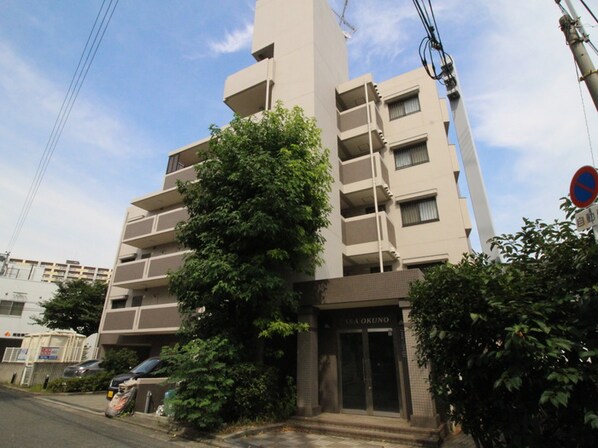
(424,409)
(307,364)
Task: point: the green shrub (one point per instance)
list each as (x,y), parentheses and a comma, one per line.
(90,383)
(259,394)
(200,371)
(119,360)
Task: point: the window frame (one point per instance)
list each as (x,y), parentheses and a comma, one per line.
(417,202)
(403,100)
(411,147)
(118,304)
(12,310)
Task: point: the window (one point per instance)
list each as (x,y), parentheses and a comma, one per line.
(411,155)
(119,303)
(418,212)
(174,164)
(425,266)
(11,308)
(137,301)
(376,269)
(405,106)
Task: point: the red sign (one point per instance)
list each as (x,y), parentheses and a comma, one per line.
(584,186)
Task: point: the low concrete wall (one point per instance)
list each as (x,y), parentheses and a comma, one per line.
(157,387)
(8,369)
(40,370)
(53,370)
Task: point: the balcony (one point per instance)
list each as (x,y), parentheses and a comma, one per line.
(353,131)
(147,273)
(155,230)
(181,162)
(465,215)
(356,179)
(454,162)
(352,93)
(155,201)
(361,239)
(246,92)
(154,319)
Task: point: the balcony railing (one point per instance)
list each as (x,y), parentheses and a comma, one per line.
(353,130)
(361,238)
(356,178)
(184,174)
(246,92)
(147,273)
(154,230)
(153,319)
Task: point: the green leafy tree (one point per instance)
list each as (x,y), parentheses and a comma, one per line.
(76,305)
(255,215)
(119,360)
(201,372)
(513,347)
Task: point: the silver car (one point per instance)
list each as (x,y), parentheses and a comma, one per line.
(89,367)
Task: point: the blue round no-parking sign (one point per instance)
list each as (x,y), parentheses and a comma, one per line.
(584,186)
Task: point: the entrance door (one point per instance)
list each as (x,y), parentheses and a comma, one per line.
(369,371)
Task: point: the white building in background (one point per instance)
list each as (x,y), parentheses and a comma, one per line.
(20,297)
(54,272)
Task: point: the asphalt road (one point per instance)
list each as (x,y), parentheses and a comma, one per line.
(27,422)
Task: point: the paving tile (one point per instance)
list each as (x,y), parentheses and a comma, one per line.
(306,440)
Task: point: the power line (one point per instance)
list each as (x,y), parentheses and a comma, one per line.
(87,56)
(432,44)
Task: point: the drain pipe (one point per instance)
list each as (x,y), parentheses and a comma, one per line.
(373,169)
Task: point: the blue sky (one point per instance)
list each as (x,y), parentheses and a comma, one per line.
(157,82)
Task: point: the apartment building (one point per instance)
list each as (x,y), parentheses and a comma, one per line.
(21,292)
(58,272)
(396,208)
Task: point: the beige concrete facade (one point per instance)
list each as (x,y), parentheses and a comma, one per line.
(395,206)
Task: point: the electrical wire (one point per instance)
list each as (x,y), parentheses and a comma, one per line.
(585,115)
(430,47)
(96,36)
(589,10)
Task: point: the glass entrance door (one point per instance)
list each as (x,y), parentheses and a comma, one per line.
(369,371)
(353,371)
(384,385)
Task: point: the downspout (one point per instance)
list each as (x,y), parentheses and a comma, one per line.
(267,106)
(373,170)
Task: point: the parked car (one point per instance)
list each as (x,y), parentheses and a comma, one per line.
(146,369)
(89,367)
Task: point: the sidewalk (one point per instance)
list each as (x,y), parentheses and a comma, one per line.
(276,437)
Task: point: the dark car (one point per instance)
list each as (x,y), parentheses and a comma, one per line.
(89,367)
(146,369)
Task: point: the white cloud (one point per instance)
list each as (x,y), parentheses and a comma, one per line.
(65,222)
(80,205)
(234,41)
(518,81)
(526,111)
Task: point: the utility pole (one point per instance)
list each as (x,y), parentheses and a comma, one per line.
(471,164)
(570,27)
